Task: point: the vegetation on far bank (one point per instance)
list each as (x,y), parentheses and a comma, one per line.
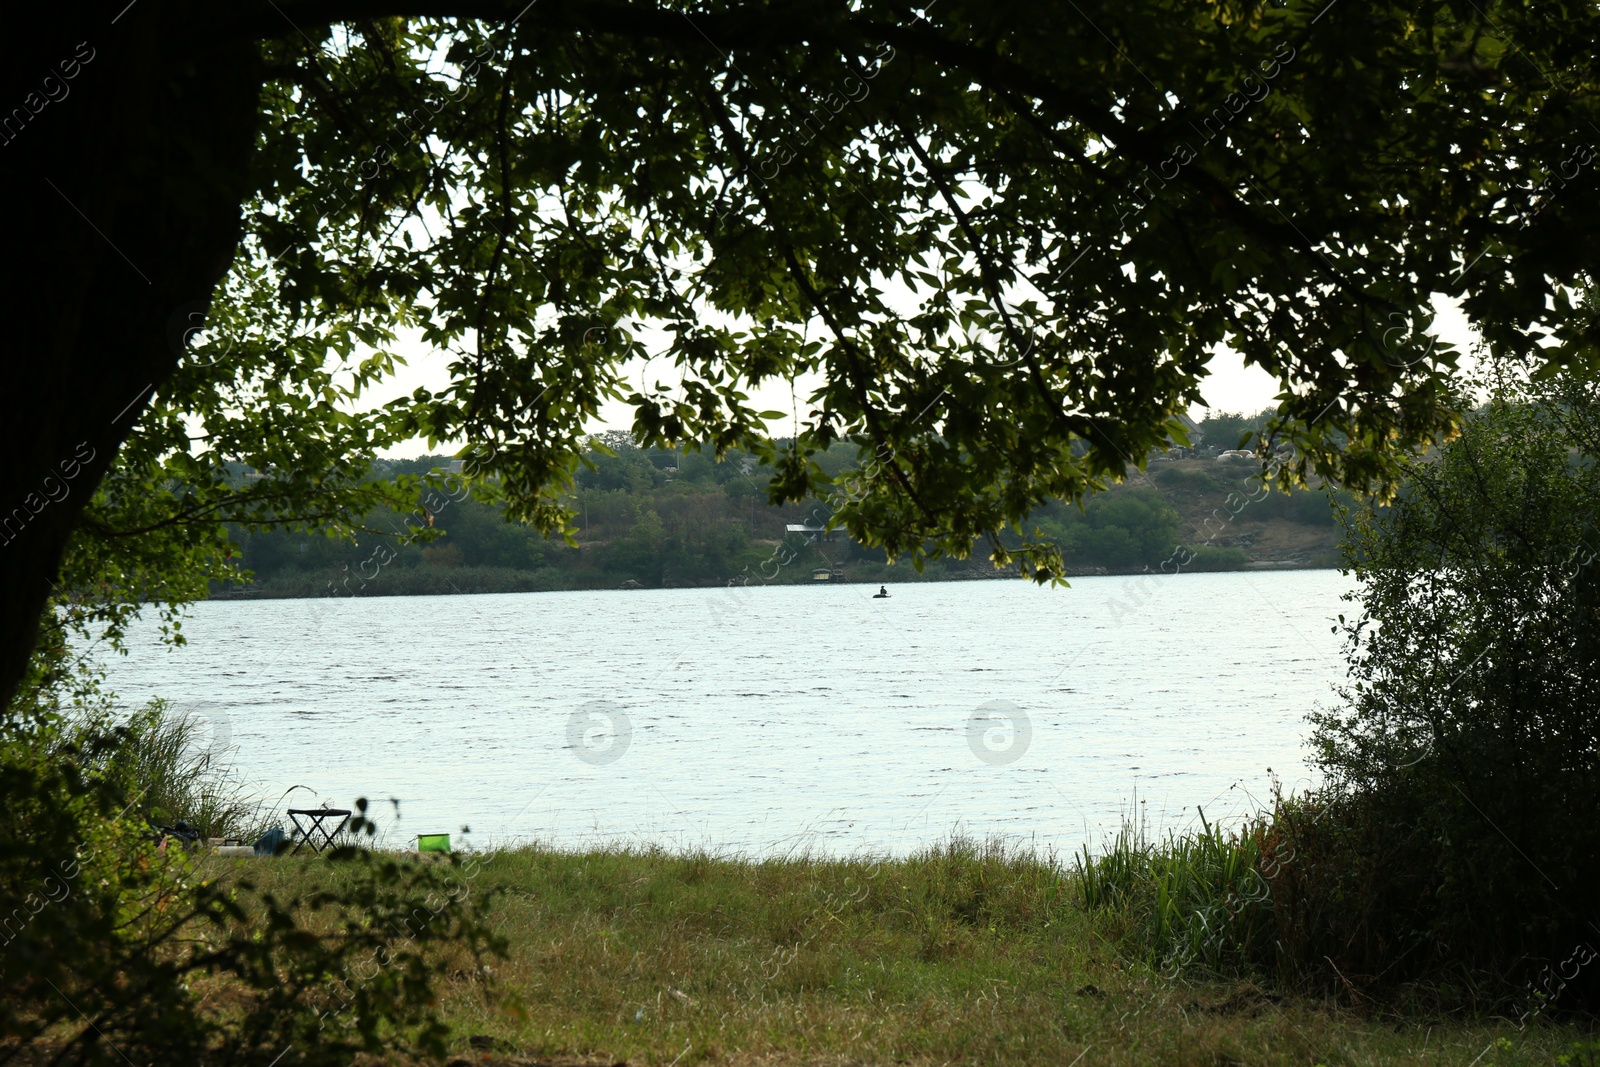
(660,518)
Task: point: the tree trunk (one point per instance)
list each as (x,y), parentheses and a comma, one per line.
(124,157)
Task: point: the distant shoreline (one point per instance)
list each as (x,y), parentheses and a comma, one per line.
(468,581)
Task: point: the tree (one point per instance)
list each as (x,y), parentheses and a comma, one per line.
(1007,240)
(1231,429)
(1464,759)
(1130,528)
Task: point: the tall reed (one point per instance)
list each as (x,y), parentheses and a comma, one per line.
(1195,902)
(159,759)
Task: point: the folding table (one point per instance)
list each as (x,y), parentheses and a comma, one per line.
(315,817)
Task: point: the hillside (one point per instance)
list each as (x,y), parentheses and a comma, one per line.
(1271,530)
(648,518)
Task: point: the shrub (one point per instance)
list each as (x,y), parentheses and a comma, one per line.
(1465,757)
(1450,855)
(118,951)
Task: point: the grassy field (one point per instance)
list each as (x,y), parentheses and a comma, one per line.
(964,954)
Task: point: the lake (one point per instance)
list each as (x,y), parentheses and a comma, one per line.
(771,720)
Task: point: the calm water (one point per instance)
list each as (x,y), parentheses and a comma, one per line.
(765,720)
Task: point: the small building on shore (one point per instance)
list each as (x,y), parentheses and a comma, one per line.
(816,534)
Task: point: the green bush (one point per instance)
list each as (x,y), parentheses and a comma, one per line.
(1449,857)
(1464,843)
(118,951)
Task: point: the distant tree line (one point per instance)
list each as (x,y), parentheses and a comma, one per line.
(661,518)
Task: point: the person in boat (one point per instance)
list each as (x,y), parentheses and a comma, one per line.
(883,590)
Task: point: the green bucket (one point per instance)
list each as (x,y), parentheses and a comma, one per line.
(433,842)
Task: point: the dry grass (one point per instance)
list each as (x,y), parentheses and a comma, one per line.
(964,954)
